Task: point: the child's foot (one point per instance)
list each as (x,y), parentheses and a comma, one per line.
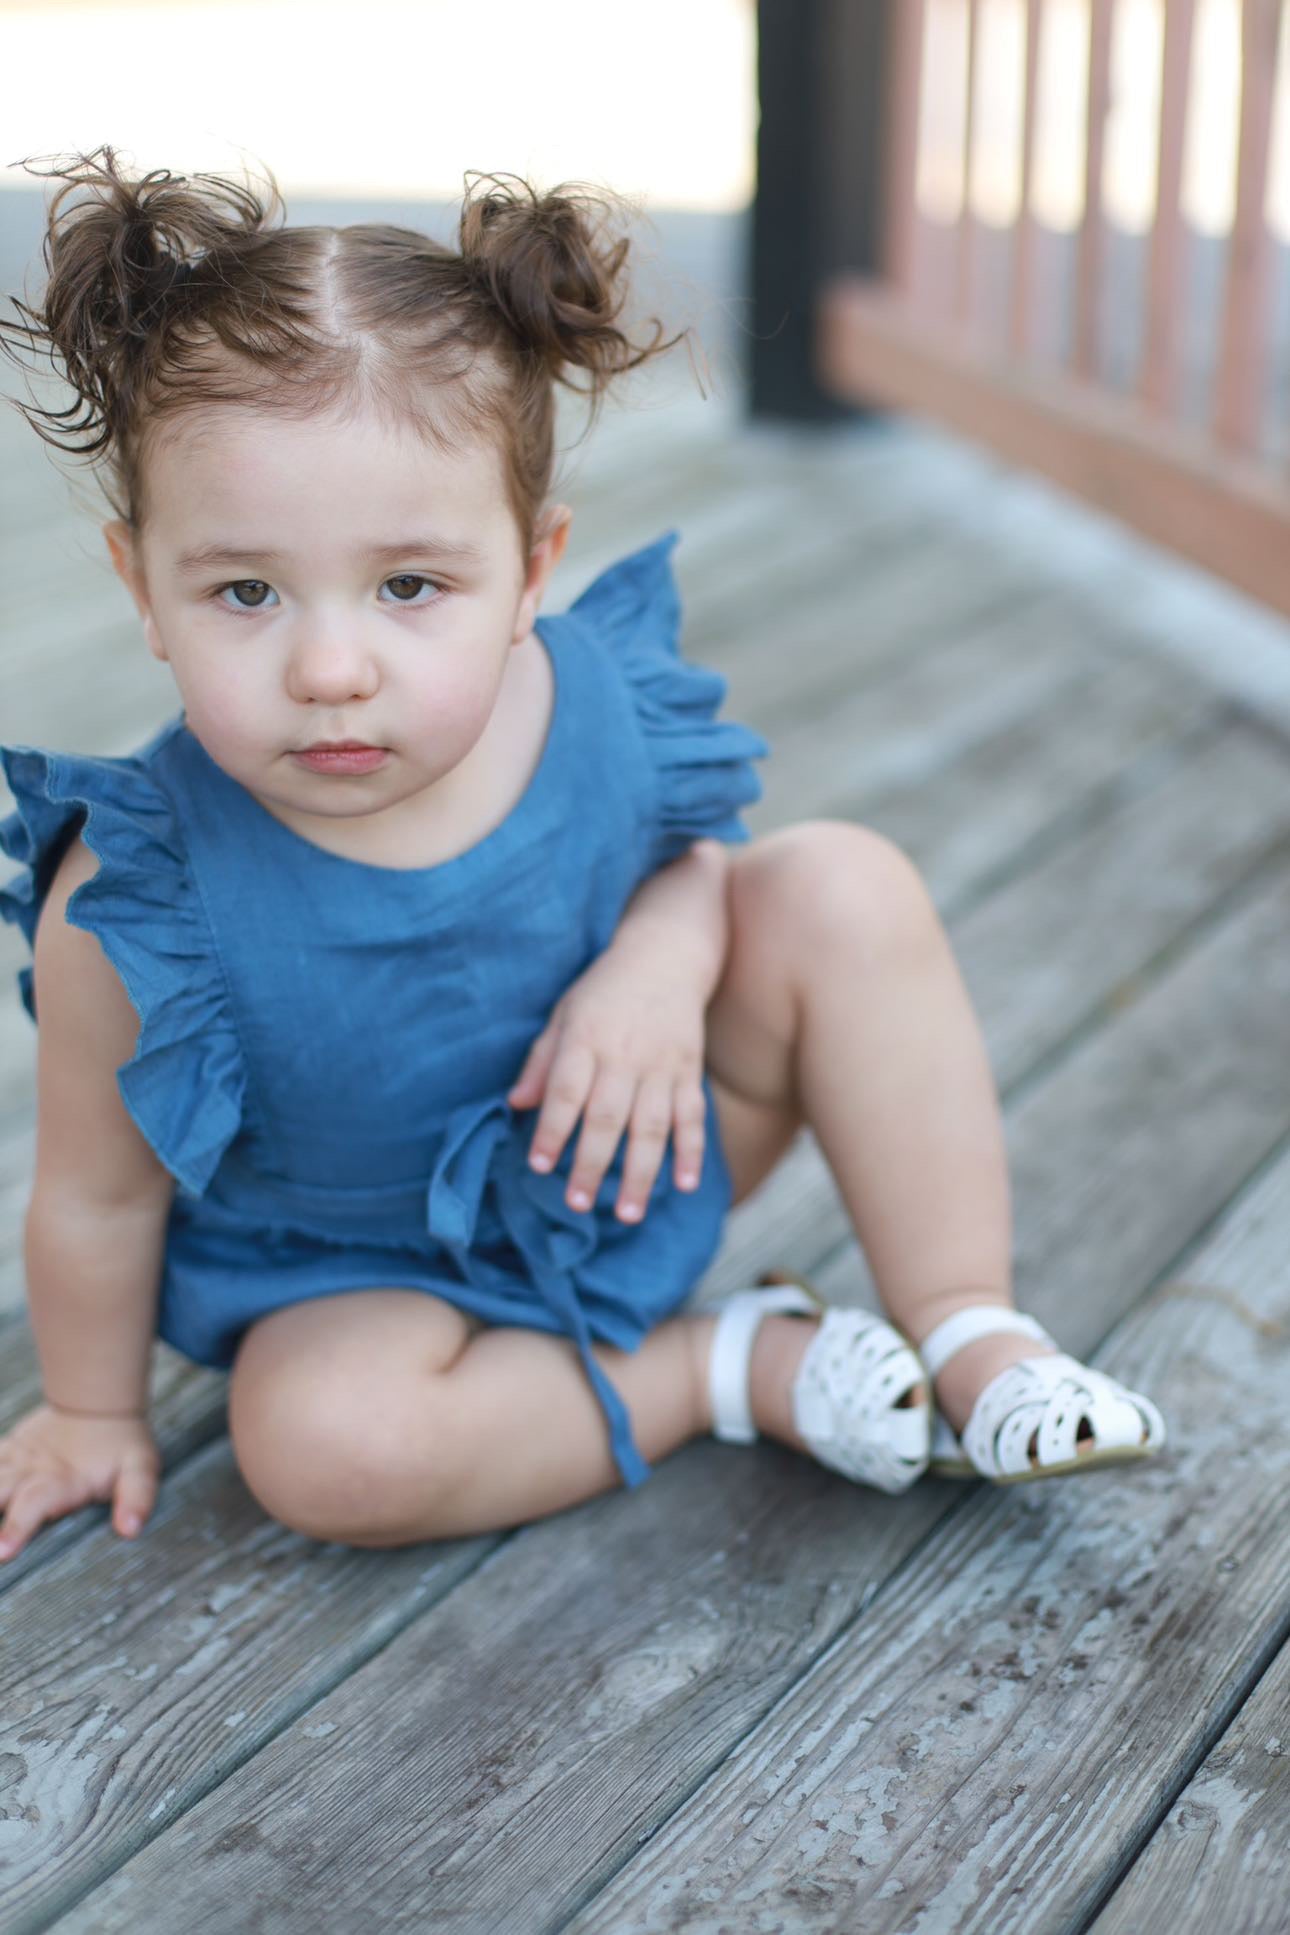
(838,1384)
(967,1373)
(1012,1406)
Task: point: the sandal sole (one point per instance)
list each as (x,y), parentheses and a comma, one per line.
(1091,1461)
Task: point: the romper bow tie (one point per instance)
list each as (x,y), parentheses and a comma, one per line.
(482,1174)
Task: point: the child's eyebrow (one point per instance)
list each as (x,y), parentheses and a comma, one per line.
(212,554)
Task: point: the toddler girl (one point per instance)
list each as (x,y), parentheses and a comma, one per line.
(328,972)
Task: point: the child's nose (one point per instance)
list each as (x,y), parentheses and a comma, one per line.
(331,667)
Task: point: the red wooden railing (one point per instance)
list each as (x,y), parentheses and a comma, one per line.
(918,337)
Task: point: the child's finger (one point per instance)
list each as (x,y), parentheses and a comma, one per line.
(531,1081)
(651,1125)
(689,1131)
(134,1498)
(34,1500)
(609,1107)
(568,1086)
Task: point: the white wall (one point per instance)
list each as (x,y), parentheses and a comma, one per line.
(376,98)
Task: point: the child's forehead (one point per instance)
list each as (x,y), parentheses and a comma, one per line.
(278,466)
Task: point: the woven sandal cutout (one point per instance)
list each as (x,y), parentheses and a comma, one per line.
(1040,1403)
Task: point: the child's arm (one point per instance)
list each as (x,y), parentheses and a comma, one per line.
(95,1233)
(683,906)
(96,1224)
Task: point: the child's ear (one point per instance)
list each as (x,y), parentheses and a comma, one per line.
(549,540)
(126,562)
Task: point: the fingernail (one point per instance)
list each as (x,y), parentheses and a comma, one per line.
(5,1548)
(579,1199)
(541,1162)
(630,1212)
(687,1179)
(129,1524)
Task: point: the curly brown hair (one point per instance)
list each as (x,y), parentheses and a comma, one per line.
(167,292)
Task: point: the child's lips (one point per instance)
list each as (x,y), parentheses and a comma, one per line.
(342,759)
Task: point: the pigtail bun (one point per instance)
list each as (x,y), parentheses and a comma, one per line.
(124,262)
(556,273)
(170,294)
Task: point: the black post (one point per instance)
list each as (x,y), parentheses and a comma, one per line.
(821,67)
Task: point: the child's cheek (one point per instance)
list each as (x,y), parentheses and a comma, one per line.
(450,711)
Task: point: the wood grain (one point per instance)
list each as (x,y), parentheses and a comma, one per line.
(509,1751)
(979,1759)
(1221,1856)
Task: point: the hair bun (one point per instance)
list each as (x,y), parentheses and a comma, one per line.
(555,272)
(116,249)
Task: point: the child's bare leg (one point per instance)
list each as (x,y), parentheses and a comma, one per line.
(836,944)
(382,1417)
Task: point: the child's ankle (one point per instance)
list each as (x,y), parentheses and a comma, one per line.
(778,1348)
(965,1376)
(968,1372)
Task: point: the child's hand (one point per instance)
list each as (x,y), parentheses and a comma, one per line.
(52,1463)
(625,1042)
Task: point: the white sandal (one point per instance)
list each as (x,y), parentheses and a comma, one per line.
(847,1392)
(1041,1400)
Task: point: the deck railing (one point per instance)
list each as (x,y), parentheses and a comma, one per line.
(993,327)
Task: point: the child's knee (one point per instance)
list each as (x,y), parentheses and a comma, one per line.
(335,1446)
(329,1470)
(835,881)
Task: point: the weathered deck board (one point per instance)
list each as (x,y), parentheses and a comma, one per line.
(168,1672)
(1022,793)
(938,648)
(612,1715)
(1221,1857)
(1179,614)
(981,1758)
(1122,891)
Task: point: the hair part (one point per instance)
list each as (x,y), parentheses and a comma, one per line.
(168,293)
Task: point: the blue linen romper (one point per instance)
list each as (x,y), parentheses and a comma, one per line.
(325,1046)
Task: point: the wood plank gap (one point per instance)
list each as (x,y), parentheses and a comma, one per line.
(1226,1713)
(1239,1871)
(1232,901)
(415,1569)
(1133,782)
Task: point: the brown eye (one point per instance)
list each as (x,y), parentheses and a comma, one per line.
(407,587)
(255,586)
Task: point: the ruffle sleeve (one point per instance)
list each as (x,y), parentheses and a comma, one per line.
(185,1083)
(702,765)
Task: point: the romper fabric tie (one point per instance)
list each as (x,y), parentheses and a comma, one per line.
(482,1176)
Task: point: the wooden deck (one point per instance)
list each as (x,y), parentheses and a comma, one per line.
(752,1697)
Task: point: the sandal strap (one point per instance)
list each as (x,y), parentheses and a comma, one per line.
(1044,1399)
(966,1326)
(732,1343)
